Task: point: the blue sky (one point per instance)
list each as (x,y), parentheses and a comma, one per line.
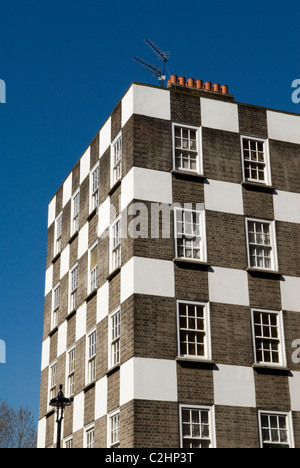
(66,65)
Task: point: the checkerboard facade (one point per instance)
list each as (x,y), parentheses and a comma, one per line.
(161,344)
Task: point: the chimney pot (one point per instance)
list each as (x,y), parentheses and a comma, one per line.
(224,89)
(191,82)
(216,87)
(207,85)
(199,84)
(181,80)
(173,79)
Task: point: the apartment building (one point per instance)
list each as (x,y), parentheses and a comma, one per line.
(172,294)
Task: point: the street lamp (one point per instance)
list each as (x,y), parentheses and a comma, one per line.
(60,402)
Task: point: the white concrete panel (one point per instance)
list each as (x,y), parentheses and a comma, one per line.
(224,197)
(51,211)
(228,286)
(81,322)
(102,302)
(78,412)
(127,106)
(287,206)
(219,115)
(83,240)
(41,437)
(147,276)
(148,379)
(101,398)
(62,339)
(290,293)
(283,127)
(151,102)
(49,280)
(294,384)
(234,386)
(65,261)
(67,190)
(85,162)
(45,354)
(127,382)
(103,217)
(105,137)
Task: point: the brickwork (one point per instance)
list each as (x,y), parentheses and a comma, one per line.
(149,320)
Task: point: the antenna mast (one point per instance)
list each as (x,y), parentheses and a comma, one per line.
(155,70)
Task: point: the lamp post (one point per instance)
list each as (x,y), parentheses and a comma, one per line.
(60,402)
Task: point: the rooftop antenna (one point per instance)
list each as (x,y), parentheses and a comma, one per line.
(155,70)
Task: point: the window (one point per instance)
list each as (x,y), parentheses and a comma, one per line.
(90,438)
(113,429)
(58,234)
(115,244)
(91,357)
(261,244)
(276,430)
(114,338)
(193,330)
(116,165)
(93,268)
(69,443)
(95,181)
(75,212)
(197,427)
(186,148)
(74,288)
(55,307)
(53,377)
(71,372)
(190,234)
(256,160)
(268,337)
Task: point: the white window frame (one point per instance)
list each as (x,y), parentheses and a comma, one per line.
(211,421)
(114,340)
(73,291)
(58,227)
(75,205)
(199,169)
(267,172)
(116,167)
(91,362)
(110,416)
(55,307)
(115,257)
(207,340)
(202,234)
(282,354)
(94,193)
(93,274)
(87,431)
(289,426)
(70,372)
(68,442)
(273,244)
(52,388)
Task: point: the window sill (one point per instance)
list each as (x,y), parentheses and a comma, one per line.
(190,262)
(89,387)
(53,331)
(91,295)
(191,362)
(114,273)
(71,314)
(74,236)
(269,369)
(262,272)
(112,370)
(114,188)
(187,175)
(257,186)
(91,215)
(57,256)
